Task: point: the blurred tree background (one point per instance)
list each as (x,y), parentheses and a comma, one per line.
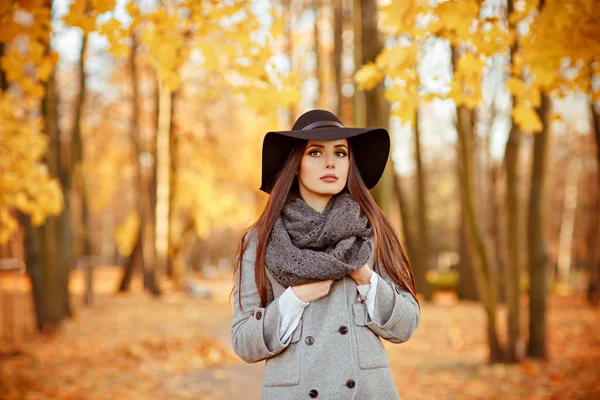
(130,136)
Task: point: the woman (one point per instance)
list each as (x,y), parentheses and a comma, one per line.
(321,277)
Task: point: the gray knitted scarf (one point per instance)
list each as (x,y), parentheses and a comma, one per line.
(308,246)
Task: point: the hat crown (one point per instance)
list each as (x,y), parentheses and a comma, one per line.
(312,116)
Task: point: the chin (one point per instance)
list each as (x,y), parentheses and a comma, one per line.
(327,189)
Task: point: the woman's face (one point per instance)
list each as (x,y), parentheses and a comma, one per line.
(324,168)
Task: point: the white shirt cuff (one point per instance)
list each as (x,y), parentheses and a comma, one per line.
(371,291)
(290,311)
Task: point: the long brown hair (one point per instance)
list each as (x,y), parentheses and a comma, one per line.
(388,249)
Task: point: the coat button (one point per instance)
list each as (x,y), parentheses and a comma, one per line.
(258,315)
(313,394)
(343,330)
(309,340)
(350,383)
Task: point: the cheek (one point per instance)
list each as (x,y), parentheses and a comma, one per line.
(344,167)
(307,168)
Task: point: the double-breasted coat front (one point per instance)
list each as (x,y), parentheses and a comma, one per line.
(336,350)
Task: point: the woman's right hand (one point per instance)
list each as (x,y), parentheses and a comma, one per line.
(312,291)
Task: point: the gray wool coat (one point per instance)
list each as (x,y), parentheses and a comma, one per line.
(336,352)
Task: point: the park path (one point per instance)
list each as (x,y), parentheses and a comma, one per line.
(135,347)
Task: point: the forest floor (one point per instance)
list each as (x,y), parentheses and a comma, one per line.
(132,346)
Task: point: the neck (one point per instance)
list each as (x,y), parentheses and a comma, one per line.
(316,201)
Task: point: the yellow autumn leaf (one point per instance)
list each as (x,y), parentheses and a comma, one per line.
(172,81)
(119,50)
(398,58)
(12,64)
(367,77)
(8,225)
(533,96)
(9,30)
(470,64)
(102,6)
(546,74)
(36,52)
(86,23)
(45,68)
(456,94)
(133,10)
(32,88)
(526,118)
(401,94)
(515,86)
(406,113)
(400,15)
(431,96)
(457,15)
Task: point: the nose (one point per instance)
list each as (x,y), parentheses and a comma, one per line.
(330,161)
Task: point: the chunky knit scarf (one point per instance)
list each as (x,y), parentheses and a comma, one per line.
(308,246)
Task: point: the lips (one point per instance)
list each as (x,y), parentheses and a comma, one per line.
(329,178)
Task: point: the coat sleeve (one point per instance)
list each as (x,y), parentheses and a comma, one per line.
(397,314)
(254,329)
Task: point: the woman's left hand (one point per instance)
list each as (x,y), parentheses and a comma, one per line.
(362,276)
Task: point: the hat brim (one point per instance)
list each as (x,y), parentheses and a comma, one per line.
(370,146)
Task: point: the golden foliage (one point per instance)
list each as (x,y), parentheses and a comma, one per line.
(217,182)
(401,16)
(27,63)
(526,117)
(368,76)
(25,183)
(563,31)
(235,52)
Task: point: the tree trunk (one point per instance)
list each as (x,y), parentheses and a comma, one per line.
(406,231)
(163,177)
(423,258)
(536,249)
(133,260)
(485,276)
(174,267)
(567,225)
(594,276)
(360,107)
(512,269)
(3,80)
(54,272)
(185,236)
(321,97)
(78,170)
(494,215)
(376,108)
(513,262)
(292,111)
(35,269)
(49,277)
(143,181)
(466,288)
(148,202)
(338,46)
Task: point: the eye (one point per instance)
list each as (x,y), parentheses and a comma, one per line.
(340,153)
(312,153)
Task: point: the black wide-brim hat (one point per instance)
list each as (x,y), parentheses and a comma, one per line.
(370,146)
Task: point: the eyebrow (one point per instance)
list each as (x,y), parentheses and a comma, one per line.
(322,147)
